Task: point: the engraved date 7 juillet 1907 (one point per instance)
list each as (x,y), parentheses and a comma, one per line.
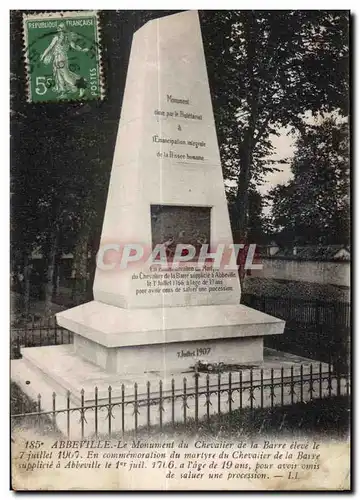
(200,351)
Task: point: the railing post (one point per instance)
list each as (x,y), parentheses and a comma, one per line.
(208,402)
(184,400)
(39,408)
(272,388)
(262,305)
(135,407)
(122,408)
(148,404)
(338,384)
(82,413)
(219,395)
(68,414)
(161,409)
(240,389)
(40,332)
(348,384)
(48,330)
(96,411)
(32,334)
(230,395)
(329,381)
(54,409)
(311,388)
(173,402)
(110,409)
(18,347)
(251,391)
(196,375)
(55,331)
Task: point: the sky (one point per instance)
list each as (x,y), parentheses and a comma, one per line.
(285,146)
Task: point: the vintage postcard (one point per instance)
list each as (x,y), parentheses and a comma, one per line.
(180,250)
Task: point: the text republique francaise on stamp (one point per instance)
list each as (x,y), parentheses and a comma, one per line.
(62,56)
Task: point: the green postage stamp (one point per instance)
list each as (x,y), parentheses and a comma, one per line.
(62,56)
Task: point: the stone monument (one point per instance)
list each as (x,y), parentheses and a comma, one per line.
(166,187)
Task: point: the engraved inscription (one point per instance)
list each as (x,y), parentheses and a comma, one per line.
(200,351)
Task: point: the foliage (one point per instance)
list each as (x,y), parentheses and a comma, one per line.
(62,152)
(313,208)
(266,69)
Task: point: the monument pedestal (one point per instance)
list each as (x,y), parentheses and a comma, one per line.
(167,339)
(167,190)
(45,370)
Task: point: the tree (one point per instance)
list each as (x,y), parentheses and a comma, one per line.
(313,208)
(256,224)
(61,153)
(256,220)
(266,69)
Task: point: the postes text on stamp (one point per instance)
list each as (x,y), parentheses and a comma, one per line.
(63,57)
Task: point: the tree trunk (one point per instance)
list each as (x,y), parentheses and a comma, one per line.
(242,196)
(56,273)
(27,284)
(93,247)
(51,263)
(80,266)
(247,145)
(242,208)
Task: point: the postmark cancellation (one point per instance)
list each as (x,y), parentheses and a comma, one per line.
(63,56)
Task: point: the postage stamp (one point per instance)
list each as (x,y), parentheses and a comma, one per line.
(62,56)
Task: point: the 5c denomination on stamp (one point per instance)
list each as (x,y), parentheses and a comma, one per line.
(63,57)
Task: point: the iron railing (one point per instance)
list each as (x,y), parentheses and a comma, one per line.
(202,399)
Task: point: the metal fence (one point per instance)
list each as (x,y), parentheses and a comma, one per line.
(37,332)
(315,329)
(312,313)
(213,400)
